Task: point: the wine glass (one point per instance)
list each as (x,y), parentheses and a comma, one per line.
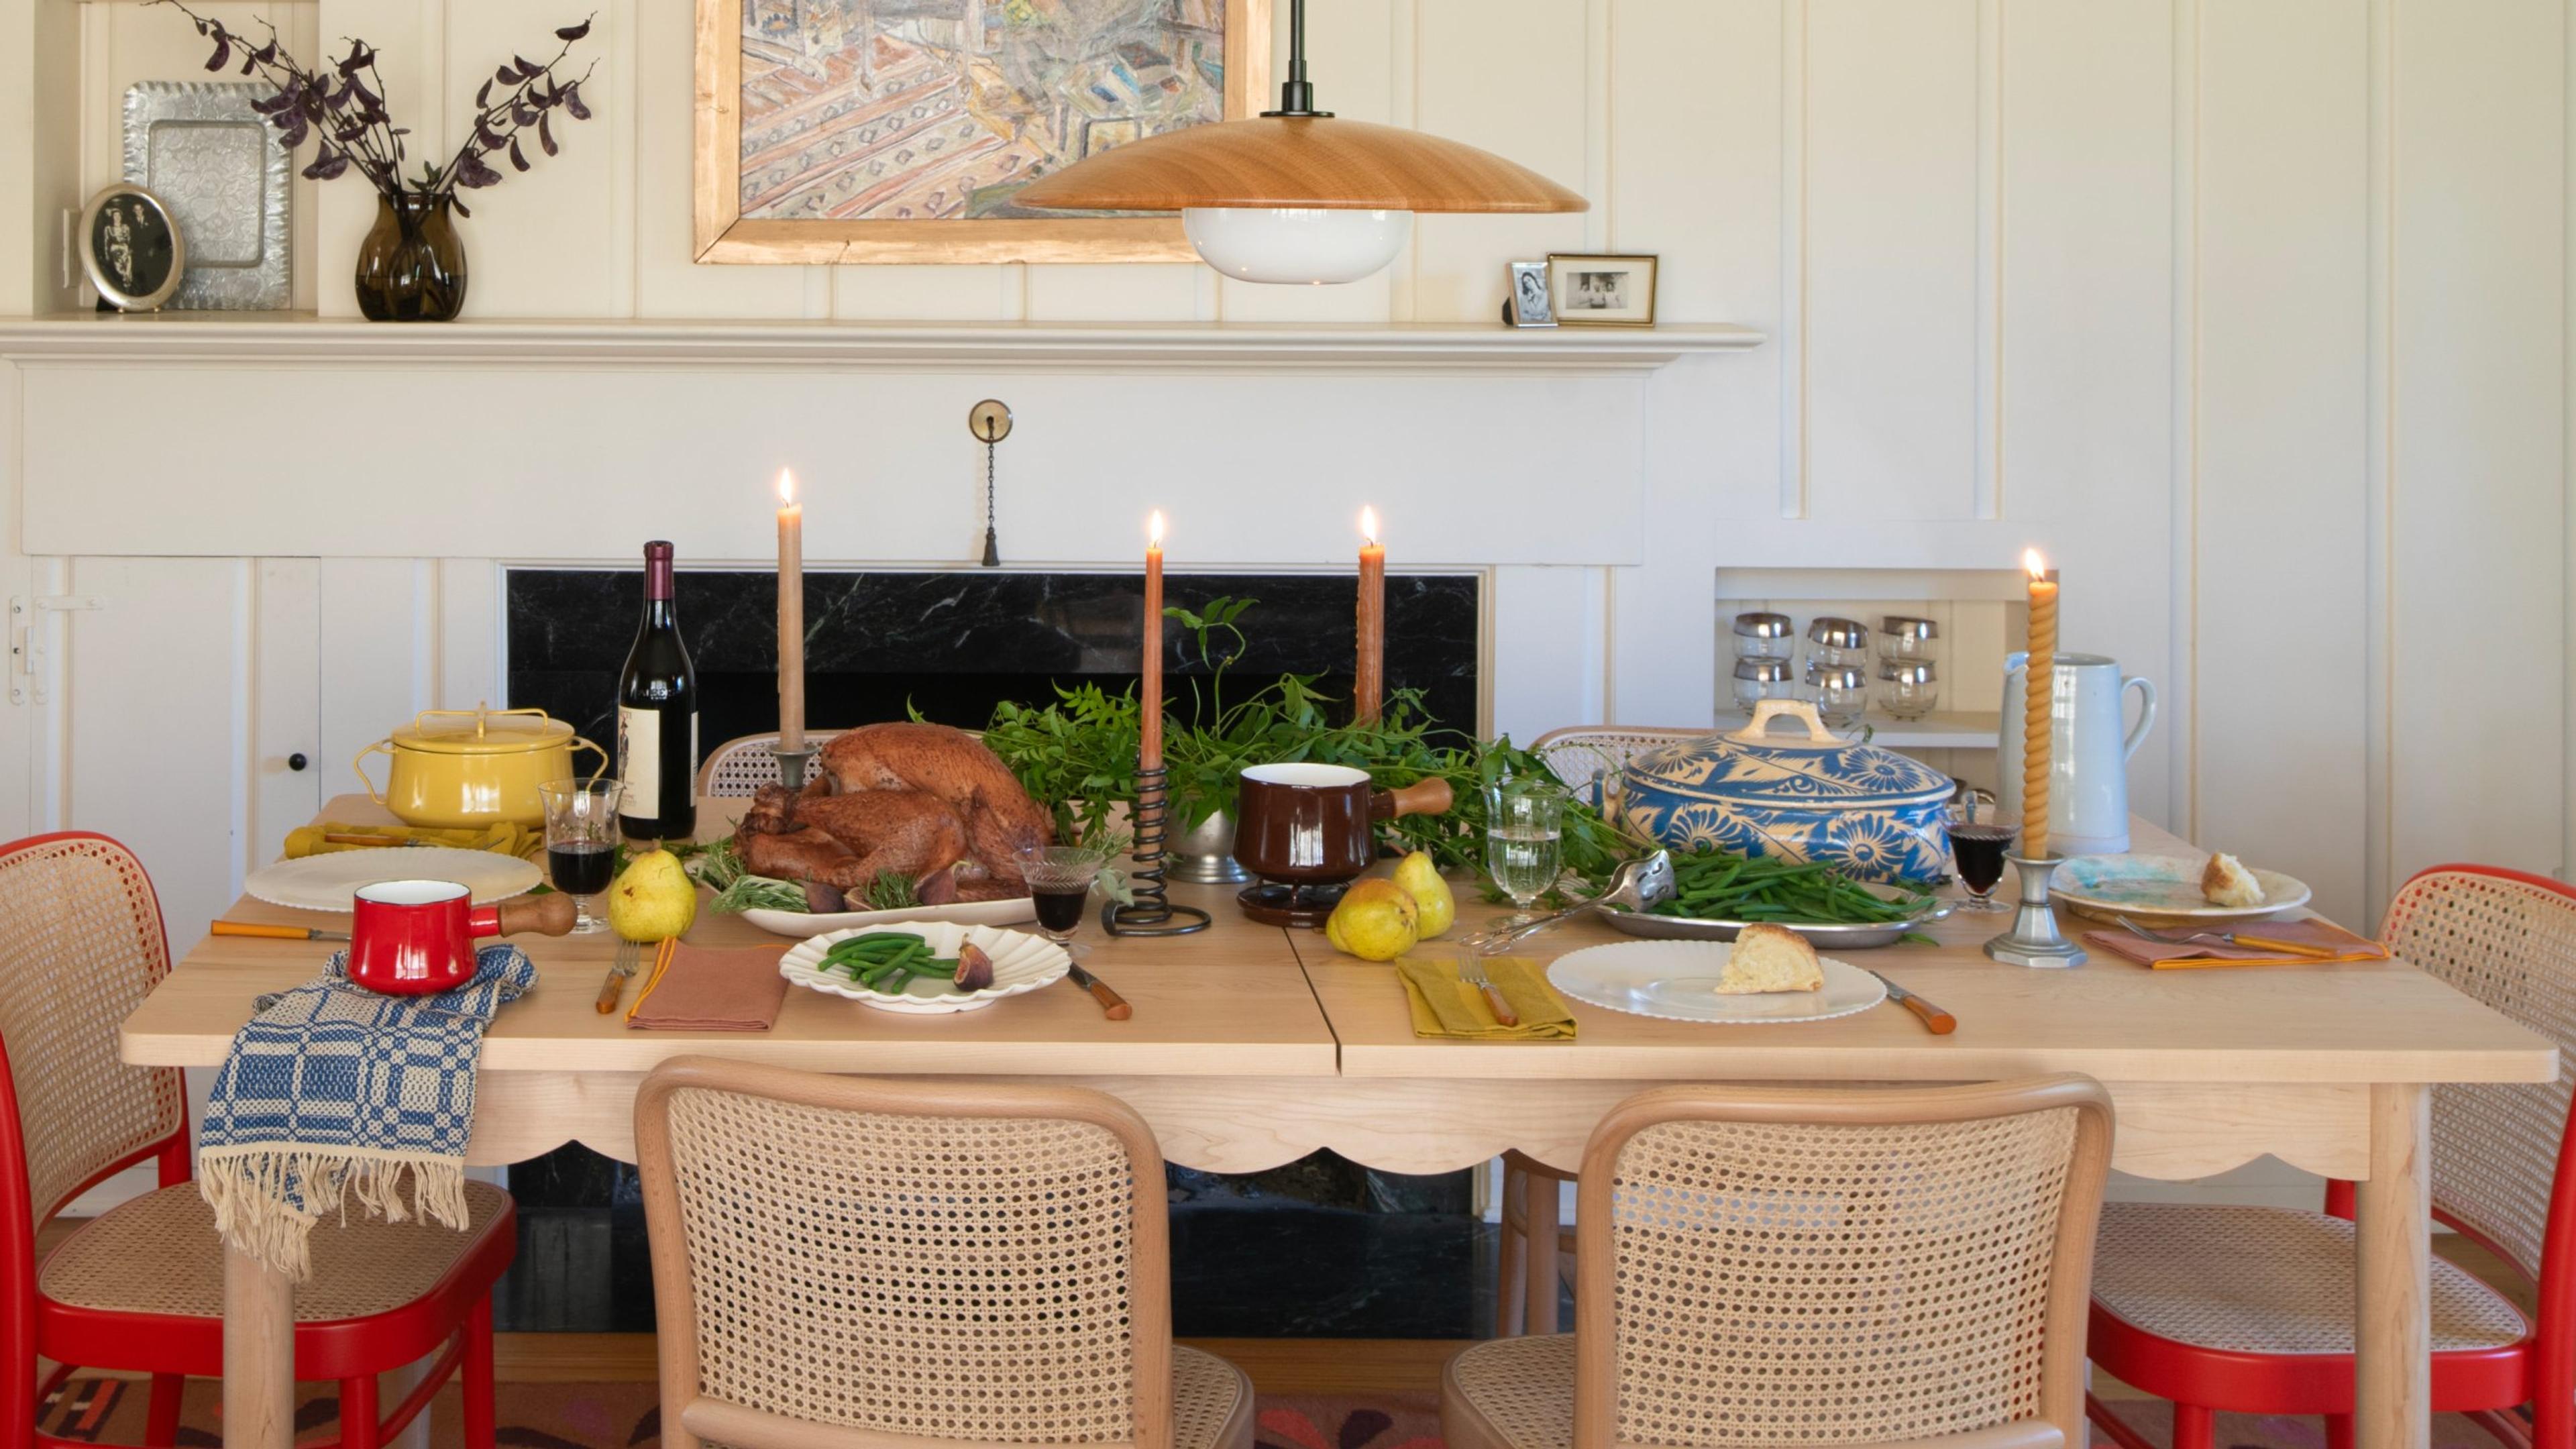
(581,842)
(1060,878)
(1977,849)
(1524,839)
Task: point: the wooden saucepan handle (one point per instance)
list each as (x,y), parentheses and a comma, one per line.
(551,914)
(1424,797)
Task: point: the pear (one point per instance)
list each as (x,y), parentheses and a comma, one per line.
(653,899)
(1435,907)
(1376,921)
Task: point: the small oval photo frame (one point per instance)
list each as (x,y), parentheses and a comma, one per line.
(131,248)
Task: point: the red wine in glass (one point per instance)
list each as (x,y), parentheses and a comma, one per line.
(1061,910)
(1979,850)
(580,867)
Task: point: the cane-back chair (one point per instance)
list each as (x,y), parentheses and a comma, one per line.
(841,1263)
(1809,1266)
(2250,1310)
(139,1288)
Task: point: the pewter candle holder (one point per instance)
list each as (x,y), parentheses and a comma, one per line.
(792,765)
(1150,914)
(2034,939)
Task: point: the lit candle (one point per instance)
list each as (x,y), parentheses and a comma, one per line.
(2038,688)
(1368,688)
(791,615)
(1149,746)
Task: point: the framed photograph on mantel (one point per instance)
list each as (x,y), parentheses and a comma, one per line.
(900,130)
(1602,291)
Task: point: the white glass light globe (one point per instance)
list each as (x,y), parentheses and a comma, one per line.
(1309,245)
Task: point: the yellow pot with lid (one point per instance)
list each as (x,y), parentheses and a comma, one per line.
(467,768)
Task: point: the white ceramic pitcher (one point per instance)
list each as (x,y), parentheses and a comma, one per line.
(2088,756)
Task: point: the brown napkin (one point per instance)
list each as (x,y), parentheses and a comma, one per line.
(695,989)
(2325,934)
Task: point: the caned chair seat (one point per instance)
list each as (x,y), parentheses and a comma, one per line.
(159,1254)
(1211,1402)
(2265,1280)
(1511,1393)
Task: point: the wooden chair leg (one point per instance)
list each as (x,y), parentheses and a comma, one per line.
(2195,1427)
(2338,1431)
(161,1419)
(1538,1235)
(479,1427)
(1513,1258)
(359,1426)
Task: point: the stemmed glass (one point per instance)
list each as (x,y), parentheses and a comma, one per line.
(1524,839)
(1060,878)
(1977,848)
(581,842)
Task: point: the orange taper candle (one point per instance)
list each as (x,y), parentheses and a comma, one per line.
(1368,686)
(1149,743)
(791,615)
(2038,694)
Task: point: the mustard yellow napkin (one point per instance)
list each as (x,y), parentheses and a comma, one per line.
(332,836)
(1443,1005)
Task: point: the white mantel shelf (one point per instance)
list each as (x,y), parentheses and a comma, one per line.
(301,339)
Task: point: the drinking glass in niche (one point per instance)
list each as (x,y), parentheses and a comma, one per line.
(1759,679)
(1907,688)
(1760,635)
(1833,640)
(1841,690)
(1902,636)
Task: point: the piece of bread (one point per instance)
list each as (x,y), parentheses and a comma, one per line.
(1770,958)
(2226,882)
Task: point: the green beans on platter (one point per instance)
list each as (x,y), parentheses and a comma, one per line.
(886,961)
(1711,885)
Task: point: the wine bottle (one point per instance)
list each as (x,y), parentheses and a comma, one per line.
(657,716)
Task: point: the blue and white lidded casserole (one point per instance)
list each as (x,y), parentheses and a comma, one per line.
(1874,812)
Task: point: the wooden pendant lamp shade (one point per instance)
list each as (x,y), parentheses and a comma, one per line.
(1298,161)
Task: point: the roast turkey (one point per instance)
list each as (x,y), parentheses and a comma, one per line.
(924,801)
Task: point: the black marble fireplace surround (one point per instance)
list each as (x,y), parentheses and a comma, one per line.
(1317,1248)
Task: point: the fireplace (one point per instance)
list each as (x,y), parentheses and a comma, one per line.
(1379,1255)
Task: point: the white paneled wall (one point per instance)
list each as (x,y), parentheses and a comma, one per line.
(2251,312)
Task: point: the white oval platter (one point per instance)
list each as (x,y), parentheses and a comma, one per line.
(1007,912)
(1677,981)
(327,882)
(1021,962)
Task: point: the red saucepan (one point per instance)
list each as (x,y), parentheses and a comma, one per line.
(413,937)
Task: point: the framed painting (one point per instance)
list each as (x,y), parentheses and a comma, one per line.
(899,130)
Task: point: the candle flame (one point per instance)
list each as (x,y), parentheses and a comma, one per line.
(2031,560)
(1154,529)
(786,485)
(1368,524)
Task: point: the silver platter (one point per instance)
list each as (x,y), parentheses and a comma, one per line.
(216,163)
(1823,938)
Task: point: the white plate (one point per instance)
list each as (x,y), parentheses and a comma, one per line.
(326,882)
(2163,890)
(1009,912)
(1677,981)
(1021,962)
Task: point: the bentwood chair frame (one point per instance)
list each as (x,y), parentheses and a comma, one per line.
(904,1198)
(1694,1383)
(58,1024)
(2503,1169)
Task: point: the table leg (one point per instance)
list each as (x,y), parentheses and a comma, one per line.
(2392,1361)
(259,1354)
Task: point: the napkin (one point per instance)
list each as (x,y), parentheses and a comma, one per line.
(1443,1005)
(696,989)
(2193,954)
(501,837)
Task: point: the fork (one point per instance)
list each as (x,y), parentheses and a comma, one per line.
(1472,971)
(630,955)
(2226,938)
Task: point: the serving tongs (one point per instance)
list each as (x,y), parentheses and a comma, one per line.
(1637,885)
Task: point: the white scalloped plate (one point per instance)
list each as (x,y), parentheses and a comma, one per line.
(1021,962)
(1009,911)
(330,882)
(1677,981)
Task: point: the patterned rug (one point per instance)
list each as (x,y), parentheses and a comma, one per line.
(626,1416)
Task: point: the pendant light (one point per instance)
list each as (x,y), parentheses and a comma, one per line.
(1295,195)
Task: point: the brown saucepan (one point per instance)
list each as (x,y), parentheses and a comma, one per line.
(1306,824)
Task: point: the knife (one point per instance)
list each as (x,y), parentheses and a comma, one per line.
(1935,1020)
(273,933)
(1112,1005)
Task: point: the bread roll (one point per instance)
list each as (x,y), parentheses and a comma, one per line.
(2226,882)
(1770,958)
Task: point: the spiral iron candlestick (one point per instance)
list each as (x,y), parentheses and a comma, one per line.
(1150,914)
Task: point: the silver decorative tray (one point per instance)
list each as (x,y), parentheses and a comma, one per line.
(1822,937)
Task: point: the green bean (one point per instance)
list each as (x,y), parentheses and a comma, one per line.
(1713,885)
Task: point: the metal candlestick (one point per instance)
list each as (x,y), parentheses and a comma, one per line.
(2034,939)
(1150,914)
(792,765)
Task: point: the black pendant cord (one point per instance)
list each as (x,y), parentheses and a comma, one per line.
(1296,97)
(992,541)
(1150,914)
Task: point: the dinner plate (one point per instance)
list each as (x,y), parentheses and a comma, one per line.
(1009,912)
(1677,981)
(2163,890)
(326,882)
(1021,962)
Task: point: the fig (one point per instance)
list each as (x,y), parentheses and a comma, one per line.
(974,968)
(824,900)
(939,888)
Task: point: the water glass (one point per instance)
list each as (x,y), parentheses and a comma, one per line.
(1977,850)
(1059,879)
(1524,838)
(581,843)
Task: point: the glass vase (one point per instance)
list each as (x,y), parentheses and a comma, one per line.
(411,268)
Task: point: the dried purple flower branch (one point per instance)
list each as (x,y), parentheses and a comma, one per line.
(341,109)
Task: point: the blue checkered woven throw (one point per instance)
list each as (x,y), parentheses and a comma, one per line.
(333,1090)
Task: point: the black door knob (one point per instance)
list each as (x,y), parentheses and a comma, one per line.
(296,762)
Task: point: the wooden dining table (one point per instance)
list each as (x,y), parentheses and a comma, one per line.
(1253,1045)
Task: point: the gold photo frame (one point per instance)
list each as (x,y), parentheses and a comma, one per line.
(856,166)
(1602,289)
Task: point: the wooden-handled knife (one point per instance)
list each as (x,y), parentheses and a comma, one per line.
(1112,1005)
(1935,1020)
(266,931)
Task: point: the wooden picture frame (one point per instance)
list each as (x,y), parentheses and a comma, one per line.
(722,234)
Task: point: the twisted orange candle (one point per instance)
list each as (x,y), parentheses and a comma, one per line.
(2038,694)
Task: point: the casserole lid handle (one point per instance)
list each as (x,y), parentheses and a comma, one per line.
(1801,710)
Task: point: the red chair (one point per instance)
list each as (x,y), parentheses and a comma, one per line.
(2249,1310)
(140,1287)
